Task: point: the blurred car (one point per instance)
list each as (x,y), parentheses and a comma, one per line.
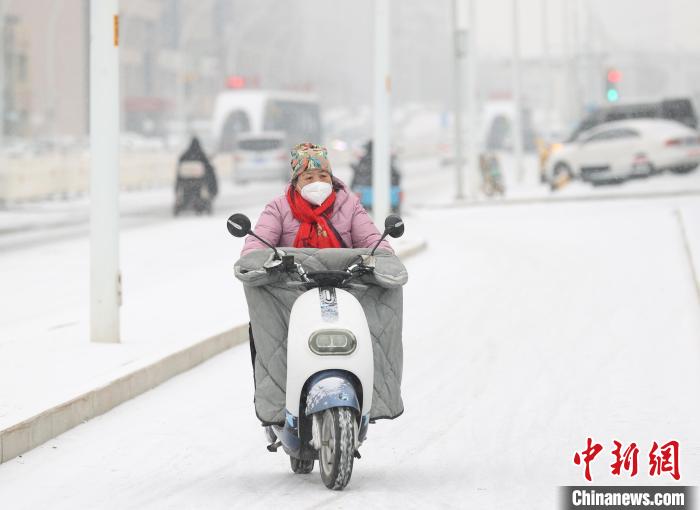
(616,151)
(137,142)
(677,109)
(260,156)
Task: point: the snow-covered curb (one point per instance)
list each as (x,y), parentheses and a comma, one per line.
(562,198)
(30,433)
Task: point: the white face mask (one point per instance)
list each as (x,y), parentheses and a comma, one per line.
(316,192)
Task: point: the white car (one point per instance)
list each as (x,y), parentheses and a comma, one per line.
(261,156)
(623,149)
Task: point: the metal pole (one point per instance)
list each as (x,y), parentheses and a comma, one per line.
(459,37)
(517,100)
(51,44)
(472,103)
(547,75)
(578,104)
(568,56)
(86,61)
(2,73)
(381,151)
(104,172)
(5,7)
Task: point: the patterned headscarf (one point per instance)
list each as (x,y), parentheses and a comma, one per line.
(307,156)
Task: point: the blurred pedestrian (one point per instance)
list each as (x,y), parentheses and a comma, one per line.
(491,175)
(362,176)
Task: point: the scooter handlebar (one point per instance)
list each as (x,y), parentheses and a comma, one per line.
(333,278)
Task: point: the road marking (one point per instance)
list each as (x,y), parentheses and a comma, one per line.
(688,252)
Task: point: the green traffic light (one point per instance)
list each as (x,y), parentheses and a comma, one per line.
(613,95)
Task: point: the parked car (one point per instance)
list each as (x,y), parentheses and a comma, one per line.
(260,156)
(677,109)
(616,151)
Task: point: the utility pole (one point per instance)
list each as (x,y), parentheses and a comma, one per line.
(548,75)
(51,44)
(86,60)
(381,145)
(105,279)
(472,104)
(517,99)
(459,41)
(578,104)
(571,96)
(3,78)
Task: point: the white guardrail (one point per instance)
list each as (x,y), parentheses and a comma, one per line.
(68,175)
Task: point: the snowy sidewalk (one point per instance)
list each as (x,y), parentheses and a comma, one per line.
(178,290)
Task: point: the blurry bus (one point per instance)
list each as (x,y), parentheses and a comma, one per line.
(297,115)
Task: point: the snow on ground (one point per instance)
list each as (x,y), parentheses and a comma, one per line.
(527,330)
(178,289)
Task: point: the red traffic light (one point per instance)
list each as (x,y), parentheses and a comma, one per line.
(614,76)
(235,82)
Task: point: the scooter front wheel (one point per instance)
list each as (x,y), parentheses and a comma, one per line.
(337,447)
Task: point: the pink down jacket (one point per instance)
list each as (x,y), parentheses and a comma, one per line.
(278,226)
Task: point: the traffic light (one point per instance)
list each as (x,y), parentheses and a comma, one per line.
(612,81)
(235,82)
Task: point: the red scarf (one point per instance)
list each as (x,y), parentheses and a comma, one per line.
(315,230)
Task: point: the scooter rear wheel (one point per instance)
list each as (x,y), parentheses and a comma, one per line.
(337,447)
(301,467)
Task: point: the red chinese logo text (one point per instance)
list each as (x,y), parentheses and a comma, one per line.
(662,459)
(666,461)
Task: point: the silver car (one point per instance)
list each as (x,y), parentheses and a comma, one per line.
(260,156)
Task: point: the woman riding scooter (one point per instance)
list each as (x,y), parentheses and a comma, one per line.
(316,211)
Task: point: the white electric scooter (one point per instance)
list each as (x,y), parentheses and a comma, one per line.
(330,364)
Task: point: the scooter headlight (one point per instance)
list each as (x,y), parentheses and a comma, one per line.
(333,341)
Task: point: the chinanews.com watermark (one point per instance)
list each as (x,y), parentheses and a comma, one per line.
(602,497)
(662,459)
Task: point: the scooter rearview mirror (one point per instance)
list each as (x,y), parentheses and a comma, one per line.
(393,226)
(238,225)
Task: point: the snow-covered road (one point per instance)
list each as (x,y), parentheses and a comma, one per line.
(32,224)
(527,330)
